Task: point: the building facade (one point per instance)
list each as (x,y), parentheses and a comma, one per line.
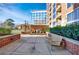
(72,12)
(39,17)
(62,13)
(56,13)
(32,29)
(49,14)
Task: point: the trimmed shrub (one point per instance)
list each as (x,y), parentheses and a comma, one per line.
(15,31)
(70,31)
(47,30)
(4,31)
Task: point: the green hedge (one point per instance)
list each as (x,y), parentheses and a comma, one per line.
(48,30)
(4,31)
(15,31)
(70,31)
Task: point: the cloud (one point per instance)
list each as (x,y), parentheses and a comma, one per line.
(12,12)
(9,12)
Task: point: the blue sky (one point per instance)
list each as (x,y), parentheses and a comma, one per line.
(19,11)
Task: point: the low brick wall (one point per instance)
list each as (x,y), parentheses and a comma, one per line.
(70,44)
(8,39)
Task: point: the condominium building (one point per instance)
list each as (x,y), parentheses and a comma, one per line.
(56,14)
(72,12)
(32,29)
(49,14)
(39,21)
(62,13)
(39,17)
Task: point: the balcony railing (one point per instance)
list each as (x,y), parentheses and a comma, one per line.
(58,8)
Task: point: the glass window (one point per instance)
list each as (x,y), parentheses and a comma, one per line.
(78,13)
(74,15)
(69,17)
(54,23)
(54,10)
(54,15)
(69,5)
(54,5)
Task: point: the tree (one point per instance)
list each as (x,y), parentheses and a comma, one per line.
(9,23)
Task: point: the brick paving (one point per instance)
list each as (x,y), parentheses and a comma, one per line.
(32,45)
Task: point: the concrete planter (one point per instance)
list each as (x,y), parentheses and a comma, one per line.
(47,33)
(70,44)
(54,39)
(4,40)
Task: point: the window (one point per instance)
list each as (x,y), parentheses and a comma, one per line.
(78,13)
(54,23)
(54,5)
(54,10)
(69,5)
(54,15)
(69,17)
(73,15)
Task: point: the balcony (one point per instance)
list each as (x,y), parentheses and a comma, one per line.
(58,6)
(59,18)
(58,15)
(58,12)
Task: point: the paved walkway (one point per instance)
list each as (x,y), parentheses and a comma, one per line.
(32,45)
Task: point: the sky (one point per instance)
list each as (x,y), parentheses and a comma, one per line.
(19,12)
